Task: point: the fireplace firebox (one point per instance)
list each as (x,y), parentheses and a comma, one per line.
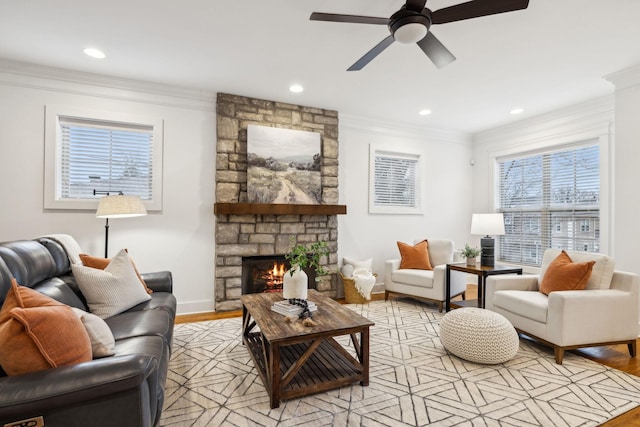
(266,273)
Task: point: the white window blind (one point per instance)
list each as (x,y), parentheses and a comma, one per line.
(396,179)
(549,200)
(105,156)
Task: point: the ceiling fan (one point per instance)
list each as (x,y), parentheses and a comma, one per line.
(411,24)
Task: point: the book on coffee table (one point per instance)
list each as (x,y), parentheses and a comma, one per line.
(286,309)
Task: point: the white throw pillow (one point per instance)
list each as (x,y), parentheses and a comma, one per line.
(347,270)
(367,263)
(102,341)
(112,290)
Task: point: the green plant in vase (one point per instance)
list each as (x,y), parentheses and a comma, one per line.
(470,253)
(300,257)
(305,256)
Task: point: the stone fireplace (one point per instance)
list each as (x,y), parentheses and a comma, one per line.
(246,230)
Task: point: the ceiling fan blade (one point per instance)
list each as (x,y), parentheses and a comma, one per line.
(416,5)
(437,53)
(356,19)
(360,63)
(475,9)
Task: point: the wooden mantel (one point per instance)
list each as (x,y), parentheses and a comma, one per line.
(277,209)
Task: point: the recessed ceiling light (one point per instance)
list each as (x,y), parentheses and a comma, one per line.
(296,88)
(424,112)
(94,53)
(516,111)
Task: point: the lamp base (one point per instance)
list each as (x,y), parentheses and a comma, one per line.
(487,257)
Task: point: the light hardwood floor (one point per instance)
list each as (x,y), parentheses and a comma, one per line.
(615,356)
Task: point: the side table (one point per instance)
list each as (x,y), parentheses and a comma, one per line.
(482,272)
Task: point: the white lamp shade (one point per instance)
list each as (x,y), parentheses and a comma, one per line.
(490,224)
(120,206)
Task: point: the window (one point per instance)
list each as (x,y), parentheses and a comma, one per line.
(101,152)
(394,182)
(549,200)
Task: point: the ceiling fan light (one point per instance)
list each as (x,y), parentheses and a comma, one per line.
(296,88)
(94,53)
(410,33)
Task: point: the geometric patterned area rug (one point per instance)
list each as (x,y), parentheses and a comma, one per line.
(413,381)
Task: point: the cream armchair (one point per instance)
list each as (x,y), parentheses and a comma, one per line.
(425,284)
(605,313)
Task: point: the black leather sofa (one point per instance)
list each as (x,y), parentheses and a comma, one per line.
(126,389)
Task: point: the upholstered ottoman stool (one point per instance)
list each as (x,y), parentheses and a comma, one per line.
(478,335)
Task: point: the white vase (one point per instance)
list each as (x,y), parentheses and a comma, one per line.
(295,286)
(471,260)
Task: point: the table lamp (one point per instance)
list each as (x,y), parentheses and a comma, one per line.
(489,224)
(118,206)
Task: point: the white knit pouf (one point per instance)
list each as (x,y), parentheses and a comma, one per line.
(478,335)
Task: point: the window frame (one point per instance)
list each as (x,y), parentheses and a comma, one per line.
(53,154)
(601,141)
(377,150)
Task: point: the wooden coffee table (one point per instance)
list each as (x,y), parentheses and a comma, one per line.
(295,360)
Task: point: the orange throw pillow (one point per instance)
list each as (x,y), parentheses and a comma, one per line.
(565,275)
(101,264)
(415,257)
(38,333)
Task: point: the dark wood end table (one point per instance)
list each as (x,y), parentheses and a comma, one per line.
(482,272)
(294,360)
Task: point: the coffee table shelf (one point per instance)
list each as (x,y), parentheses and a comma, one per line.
(326,369)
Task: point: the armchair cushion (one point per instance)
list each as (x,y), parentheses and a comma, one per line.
(440,251)
(532,305)
(563,274)
(423,278)
(415,257)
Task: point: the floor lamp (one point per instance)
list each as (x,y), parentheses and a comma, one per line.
(117,206)
(490,224)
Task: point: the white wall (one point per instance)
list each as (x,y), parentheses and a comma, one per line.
(447,174)
(626,169)
(179,238)
(588,120)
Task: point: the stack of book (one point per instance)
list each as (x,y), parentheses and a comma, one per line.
(286,309)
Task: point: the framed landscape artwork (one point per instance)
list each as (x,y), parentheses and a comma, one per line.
(283,166)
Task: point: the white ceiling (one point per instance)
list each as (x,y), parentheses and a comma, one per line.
(553,54)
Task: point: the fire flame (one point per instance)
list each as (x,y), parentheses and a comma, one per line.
(274,277)
(278,270)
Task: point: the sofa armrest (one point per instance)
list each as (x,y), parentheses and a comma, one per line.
(390,266)
(34,393)
(161,281)
(524,282)
(458,281)
(592,316)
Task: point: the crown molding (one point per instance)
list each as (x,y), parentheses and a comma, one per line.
(36,76)
(402,129)
(625,79)
(591,117)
